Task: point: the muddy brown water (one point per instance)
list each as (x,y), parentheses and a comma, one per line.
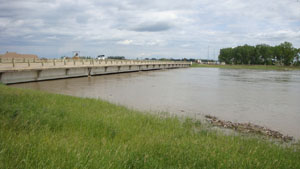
(267,98)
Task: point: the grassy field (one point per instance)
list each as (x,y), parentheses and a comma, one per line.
(42,130)
(260,67)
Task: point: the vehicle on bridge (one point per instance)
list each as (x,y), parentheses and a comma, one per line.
(101,57)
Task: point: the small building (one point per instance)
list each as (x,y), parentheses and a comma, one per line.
(199,61)
(14,55)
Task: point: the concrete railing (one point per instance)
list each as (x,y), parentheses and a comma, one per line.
(36,70)
(40,63)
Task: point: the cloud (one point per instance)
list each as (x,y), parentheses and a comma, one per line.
(169,28)
(185,45)
(125,42)
(153,27)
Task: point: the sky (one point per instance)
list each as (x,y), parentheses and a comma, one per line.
(144,28)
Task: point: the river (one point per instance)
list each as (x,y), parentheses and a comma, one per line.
(266,98)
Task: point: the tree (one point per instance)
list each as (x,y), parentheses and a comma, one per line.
(297,58)
(247,52)
(288,53)
(264,54)
(226,55)
(237,55)
(116,57)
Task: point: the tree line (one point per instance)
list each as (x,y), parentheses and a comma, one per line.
(262,54)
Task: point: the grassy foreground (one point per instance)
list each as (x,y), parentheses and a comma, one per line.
(41,130)
(259,67)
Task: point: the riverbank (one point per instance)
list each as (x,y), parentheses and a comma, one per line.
(258,67)
(42,130)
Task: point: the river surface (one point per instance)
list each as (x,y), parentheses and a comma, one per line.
(267,98)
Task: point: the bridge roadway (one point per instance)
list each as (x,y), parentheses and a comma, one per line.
(18,71)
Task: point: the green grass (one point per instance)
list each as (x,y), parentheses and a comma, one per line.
(259,67)
(42,130)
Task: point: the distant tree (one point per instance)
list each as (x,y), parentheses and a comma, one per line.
(288,53)
(85,57)
(116,57)
(281,54)
(277,55)
(43,58)
(226,55)
(163,59)
(256,58)
(297,58)
(263,54)
(237,55)
(247,52)
(190,60)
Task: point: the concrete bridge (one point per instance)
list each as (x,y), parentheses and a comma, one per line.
(28,70)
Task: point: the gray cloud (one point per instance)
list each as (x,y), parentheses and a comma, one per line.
(142,28)
(153,27)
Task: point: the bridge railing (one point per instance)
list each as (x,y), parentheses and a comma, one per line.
(36,63)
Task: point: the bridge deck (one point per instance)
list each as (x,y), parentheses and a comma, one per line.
(16,72)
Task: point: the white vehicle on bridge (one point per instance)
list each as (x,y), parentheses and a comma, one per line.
(101,57)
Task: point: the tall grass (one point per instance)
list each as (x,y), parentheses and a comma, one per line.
(259,67)
(41,130)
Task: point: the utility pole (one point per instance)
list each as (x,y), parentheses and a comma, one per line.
(214,54)
(208,52)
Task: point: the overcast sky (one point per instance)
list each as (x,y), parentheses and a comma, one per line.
(145,28)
